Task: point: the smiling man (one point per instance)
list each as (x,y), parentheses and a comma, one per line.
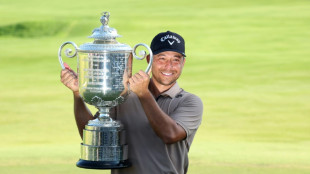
(162,126)
(160,118)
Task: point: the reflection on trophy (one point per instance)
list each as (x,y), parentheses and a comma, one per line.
(104,67)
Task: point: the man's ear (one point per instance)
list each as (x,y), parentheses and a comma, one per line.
(148,58)
(184,60)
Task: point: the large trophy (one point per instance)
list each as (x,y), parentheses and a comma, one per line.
(104,68)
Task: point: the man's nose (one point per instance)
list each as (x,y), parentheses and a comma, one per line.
(169,64)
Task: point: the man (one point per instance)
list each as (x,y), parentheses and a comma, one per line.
(160,118)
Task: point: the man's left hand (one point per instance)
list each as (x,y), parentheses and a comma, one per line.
(139,83)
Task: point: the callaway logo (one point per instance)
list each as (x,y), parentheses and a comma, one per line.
(169,38)
(170,42)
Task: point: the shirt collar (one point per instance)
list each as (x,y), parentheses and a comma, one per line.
(173,91)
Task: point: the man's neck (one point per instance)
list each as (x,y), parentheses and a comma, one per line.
(156,89)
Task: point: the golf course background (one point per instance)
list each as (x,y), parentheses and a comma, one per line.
(249,61)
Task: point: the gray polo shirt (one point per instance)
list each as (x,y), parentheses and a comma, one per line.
(146,151)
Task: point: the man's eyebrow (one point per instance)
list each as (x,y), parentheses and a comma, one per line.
(161,54)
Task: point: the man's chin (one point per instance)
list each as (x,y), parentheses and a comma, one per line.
(167,83)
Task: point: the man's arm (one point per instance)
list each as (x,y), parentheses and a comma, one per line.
(81,112)
(163,125)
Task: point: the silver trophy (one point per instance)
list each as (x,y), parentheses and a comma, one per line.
(104,68)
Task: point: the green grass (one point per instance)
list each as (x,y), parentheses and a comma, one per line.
(247,60)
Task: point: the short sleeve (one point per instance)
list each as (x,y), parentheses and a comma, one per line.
(187,111)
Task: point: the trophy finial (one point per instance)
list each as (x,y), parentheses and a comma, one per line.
(104,32)
(105,18)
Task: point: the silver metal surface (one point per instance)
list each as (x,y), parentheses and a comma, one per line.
(67,52)
(104,32)
(143,54)
(104,135)
(104,153)
(104,68)
(101,78)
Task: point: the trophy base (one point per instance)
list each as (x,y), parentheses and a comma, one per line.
(103,164)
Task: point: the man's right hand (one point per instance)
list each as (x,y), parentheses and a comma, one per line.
(70,79)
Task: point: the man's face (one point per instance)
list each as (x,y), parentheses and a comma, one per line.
(167,67)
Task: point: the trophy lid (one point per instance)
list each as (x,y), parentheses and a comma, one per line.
(105,38)
(104,32)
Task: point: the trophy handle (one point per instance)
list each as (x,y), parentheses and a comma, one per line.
(143,54)
(67,52)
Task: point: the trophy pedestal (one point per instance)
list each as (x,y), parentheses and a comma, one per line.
(104,146)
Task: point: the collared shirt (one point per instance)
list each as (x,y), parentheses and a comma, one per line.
(146,151)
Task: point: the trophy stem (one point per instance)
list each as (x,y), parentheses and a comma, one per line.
(104,114)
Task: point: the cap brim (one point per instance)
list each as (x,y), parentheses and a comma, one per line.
(167,49)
